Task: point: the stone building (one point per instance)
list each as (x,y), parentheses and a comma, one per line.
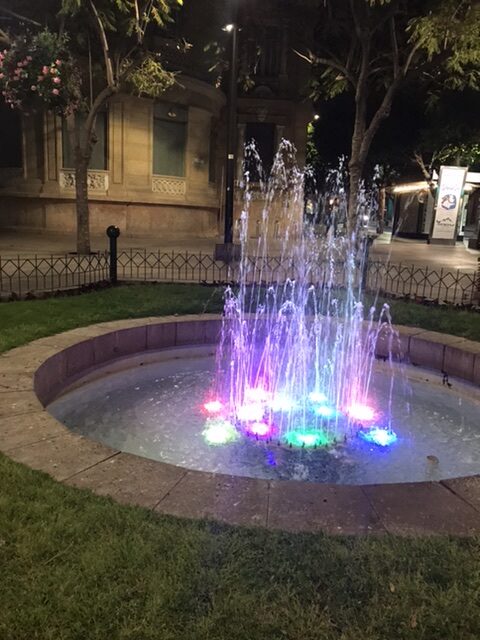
(157,168)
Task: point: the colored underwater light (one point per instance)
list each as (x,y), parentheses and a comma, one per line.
(317,397)
(214,406)
(260,429)
(281,402)
(256,394)
(218,431)
(324,411)
(361,412)
(377,435)
(250,412)
(307,438)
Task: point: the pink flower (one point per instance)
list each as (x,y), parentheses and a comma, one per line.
(18,72)
(55,92)
(58,63)
(40,78)
(45,69)
(29,58)
(33,87)
(19,64)
(57,80)
(2,75)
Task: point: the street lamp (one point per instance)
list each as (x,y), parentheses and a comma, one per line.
(228,251)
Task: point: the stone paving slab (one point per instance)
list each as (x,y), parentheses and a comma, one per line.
(422,508)
(15,402)
(335,509)
(232,499)
(15,381)
(129,479)
(20,430)
(62,456)
(467,489)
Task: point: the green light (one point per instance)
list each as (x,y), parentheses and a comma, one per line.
(218,431)
(307,438)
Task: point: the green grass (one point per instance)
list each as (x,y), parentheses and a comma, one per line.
(74,566)
(21,322)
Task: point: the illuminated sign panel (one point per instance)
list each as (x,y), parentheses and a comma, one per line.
(449,197)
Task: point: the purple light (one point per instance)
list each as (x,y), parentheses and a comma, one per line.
(361,412)
(214,406)
(260,429)
(250,412)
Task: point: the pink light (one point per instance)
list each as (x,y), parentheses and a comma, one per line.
(257,394)
(214,406)
(361,412)
(250,412)
(261,429)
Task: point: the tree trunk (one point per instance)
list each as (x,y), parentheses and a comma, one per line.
(81,193)
(382,201)
(355,169)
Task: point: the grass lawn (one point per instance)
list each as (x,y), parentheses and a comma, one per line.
(74,566)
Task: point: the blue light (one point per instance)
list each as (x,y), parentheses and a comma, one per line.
(377,435)
(324,411)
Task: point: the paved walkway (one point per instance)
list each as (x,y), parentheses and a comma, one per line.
(398,251)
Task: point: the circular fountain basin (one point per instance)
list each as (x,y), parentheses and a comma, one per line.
(156,410)
(43,374)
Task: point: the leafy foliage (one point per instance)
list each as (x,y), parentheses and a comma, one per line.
(38,71)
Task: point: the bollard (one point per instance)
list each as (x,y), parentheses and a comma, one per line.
(113,233)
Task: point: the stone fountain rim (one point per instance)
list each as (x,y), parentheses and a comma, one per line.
(32,375)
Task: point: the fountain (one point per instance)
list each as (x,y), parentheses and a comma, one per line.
(297,350)
(293,388)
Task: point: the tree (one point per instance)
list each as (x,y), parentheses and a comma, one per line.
(370,48)
(95,49)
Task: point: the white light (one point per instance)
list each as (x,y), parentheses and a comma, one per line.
(408,188)
(229,27)
(316,117)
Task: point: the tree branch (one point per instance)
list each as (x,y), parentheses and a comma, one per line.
(104,44)
(426,173)
(395,54)
(327,62)
(11,13)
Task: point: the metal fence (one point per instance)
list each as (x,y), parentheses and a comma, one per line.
(46,274)
(23,275)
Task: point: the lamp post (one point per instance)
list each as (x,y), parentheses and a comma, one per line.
(228,251)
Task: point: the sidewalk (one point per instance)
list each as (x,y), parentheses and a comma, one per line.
(399,251)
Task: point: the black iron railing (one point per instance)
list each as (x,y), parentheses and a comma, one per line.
(20,276)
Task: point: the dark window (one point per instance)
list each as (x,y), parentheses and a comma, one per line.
(10,138)
(169,139)
(99,159)
(263,135)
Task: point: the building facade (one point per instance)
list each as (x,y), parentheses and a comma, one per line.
(158,166)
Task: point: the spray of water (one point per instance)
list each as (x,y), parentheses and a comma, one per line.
(297,348)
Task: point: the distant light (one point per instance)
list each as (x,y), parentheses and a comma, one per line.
(324,411)
(316,117)
(317,397)
(214,406)
(409,187)
(218,431)
(378,435)
(361,412)
(171,113)
(229,27)
(250,412)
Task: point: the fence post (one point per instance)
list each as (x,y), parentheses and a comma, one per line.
(113,233)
